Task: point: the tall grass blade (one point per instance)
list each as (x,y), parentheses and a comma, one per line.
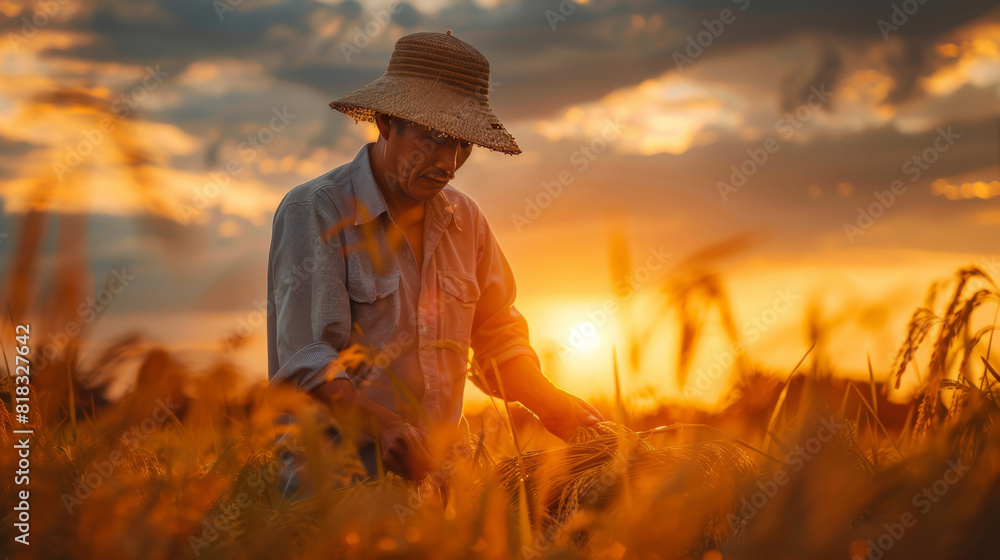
(624,449)
(781,397)
(681,426)
(72,391)
(523,519)
(871,383)
(877,419)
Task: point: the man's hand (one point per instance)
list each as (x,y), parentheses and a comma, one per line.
(404,447)
(561,413)
(404,452)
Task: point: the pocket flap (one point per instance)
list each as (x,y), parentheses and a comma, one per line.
(462,286)
(366,289)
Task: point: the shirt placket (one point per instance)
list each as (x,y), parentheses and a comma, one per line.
(428,320)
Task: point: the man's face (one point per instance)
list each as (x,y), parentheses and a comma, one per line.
(420,161)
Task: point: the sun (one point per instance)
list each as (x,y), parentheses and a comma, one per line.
(585,337)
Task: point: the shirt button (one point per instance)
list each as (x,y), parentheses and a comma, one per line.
(423,327)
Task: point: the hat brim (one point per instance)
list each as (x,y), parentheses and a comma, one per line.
(430,103)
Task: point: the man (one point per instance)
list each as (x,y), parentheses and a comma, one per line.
(384,254)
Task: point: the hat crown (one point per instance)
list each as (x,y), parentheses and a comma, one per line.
(444,59)
(439,81)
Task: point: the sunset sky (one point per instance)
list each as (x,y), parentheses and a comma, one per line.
(838,155)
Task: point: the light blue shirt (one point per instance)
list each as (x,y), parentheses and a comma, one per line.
(334,280)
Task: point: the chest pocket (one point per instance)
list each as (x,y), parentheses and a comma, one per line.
(459,293)
(374,306)
(372,283)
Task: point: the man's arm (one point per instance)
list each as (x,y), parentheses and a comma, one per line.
(309,318)
(500,335)
(312,319)
(560,412)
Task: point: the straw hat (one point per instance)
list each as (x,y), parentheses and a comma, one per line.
(439,81)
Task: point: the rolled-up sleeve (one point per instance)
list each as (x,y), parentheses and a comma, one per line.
(309,316)
(499,331)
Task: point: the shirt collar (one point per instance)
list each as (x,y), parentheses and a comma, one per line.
(371,203)
(443,210)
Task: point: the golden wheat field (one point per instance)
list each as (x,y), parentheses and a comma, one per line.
(756,236)
(797,464)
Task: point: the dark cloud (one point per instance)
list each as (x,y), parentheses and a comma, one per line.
(591,51)
(11,151)
(12,147)
(350,9)
(539,70)
(595,50)
(682,193)
(177,32)
(796,91)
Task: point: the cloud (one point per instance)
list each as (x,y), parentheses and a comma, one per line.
(584,55)
(556,88)
(850,93)
(670,114)
(11,150)
(600,48)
